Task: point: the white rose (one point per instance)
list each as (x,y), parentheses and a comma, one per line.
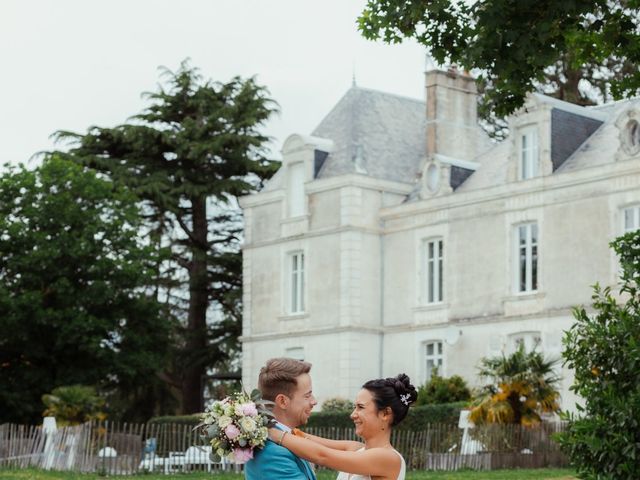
(229,410)
(224,421)
(247,424)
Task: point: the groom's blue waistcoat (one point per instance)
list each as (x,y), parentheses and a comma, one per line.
(274,462)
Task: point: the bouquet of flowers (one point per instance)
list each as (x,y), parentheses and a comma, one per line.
(236,426)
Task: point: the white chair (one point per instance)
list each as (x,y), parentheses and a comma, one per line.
(107,452)
(195,455)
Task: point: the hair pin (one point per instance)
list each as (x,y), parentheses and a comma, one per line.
(405,399)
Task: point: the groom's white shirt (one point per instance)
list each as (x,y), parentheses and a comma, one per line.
(282,426)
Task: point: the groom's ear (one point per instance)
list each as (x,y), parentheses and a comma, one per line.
(281,401)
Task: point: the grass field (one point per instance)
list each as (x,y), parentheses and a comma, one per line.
(540,474)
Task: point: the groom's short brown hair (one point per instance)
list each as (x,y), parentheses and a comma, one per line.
(280,375)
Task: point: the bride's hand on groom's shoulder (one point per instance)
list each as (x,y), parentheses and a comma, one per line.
(275,435)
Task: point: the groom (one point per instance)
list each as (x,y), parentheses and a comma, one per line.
(287,383)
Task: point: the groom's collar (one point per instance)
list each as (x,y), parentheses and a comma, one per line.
(282,426)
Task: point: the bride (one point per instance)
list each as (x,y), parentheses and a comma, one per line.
(380,405)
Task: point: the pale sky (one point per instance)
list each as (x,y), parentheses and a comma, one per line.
(70,64)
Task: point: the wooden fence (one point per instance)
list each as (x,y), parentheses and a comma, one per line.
(127,448)
(447,447)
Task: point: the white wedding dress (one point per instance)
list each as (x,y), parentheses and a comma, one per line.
(348,476)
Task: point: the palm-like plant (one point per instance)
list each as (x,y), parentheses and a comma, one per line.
(74,404)
(522,387)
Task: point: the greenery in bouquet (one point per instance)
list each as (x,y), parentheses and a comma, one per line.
(236,426)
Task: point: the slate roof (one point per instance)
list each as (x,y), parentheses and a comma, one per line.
(375,133)
(602,146)
(583,136)
(383,135)
(569,131)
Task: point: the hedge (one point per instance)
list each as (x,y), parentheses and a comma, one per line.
(417,419)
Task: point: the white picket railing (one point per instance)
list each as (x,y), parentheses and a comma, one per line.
(128,448)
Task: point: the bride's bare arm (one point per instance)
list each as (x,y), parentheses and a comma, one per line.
(380,462)
(347,445)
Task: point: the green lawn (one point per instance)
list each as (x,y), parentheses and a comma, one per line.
(541,474)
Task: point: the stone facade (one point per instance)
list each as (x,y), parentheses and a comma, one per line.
(397,236)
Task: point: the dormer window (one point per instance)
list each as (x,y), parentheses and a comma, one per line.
(296,189)
(529,158)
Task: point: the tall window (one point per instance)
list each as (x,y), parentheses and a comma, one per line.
(631,218)
(296,189)
(432,270)
(527,257)
(529,154)
(296,282)
(433,359)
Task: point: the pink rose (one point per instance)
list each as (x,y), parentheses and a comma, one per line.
(231,431)
(249,409)
(242,455)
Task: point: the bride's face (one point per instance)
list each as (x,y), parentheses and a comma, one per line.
(366,417)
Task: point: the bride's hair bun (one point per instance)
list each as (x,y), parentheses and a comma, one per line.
(396,393)
(405,390)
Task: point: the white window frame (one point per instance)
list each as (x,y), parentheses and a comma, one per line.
(528,154)
(630,218)
(435,358)
(432,270)
(531,251)
(296,282)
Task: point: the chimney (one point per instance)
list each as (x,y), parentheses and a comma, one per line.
(452,117)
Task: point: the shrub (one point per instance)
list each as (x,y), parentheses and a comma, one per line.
(337,405)
(417,419)
(443,390)
(602,440)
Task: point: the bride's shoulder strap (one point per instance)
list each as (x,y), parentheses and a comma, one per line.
(403,465)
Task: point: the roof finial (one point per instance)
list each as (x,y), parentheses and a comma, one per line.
(353,75)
